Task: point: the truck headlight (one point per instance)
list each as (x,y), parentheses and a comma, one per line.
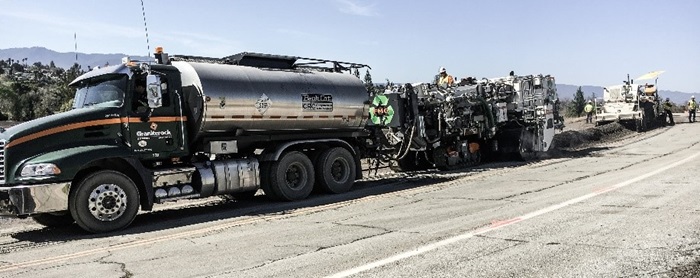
(40,169)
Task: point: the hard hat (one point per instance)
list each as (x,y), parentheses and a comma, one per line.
(590,101)
(443,70)
(692,97)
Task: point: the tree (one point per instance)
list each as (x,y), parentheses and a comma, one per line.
(42,93)
(575,108)
(356,73)
(5,93)
(368,82)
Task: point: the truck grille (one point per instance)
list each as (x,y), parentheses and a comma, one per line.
(2,161)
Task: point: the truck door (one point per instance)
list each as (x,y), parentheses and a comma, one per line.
(156,132)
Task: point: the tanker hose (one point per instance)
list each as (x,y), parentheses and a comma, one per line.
(408,147)
(489,113)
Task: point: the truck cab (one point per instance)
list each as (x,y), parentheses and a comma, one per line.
(113,131)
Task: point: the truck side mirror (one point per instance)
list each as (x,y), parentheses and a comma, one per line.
(154,92)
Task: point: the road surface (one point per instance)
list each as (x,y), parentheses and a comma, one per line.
(624,208)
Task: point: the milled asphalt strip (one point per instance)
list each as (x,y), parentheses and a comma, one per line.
(202,231)
(505,223)
(219,227)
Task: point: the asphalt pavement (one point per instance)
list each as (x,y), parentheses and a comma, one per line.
(623,208)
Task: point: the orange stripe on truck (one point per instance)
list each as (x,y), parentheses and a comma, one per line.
(60,129)
(68,127)
(154,119)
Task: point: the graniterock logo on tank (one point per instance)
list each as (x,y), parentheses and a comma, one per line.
(154,133)
(317,102)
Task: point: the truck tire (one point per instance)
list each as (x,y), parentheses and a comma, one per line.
(54,219)
(104,201)
(290,178)
(335,170)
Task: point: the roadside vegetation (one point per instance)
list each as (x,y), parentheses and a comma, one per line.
(31,91)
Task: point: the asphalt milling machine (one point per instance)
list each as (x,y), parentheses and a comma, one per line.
(635,106)
(427,125)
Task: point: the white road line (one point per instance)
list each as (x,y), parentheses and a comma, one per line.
(506,223)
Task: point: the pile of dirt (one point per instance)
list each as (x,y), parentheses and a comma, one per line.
(573,139)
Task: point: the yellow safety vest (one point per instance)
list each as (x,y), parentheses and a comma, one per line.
(668,105)
(446,80)
(692,105)
(588,108)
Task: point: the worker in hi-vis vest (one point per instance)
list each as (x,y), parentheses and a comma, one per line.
(445,79)
(589,112)
(692,106)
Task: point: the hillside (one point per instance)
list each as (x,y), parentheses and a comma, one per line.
(63,59)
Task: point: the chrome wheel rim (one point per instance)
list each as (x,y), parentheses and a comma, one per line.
(107,202)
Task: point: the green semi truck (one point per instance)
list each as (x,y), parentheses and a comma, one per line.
(186,127)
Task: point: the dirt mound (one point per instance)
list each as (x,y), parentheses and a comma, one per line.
(578,138)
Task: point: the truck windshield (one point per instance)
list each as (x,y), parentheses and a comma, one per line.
(102,91)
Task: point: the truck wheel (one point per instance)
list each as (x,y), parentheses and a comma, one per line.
(54,219)
(335,170)
(104,201)
(290,178)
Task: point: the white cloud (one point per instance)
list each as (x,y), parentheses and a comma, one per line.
(187,43)
(354,8)
(96,31)
(90,29)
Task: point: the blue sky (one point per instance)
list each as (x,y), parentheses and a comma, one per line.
(593,42)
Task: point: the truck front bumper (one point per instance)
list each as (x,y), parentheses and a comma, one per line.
(23,200)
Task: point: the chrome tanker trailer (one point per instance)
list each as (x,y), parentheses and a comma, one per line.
(186,127)
(426,125)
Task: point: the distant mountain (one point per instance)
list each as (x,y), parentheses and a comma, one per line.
(566,91)
(64,60)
